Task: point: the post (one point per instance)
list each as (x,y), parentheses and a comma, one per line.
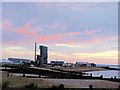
(91,75)
(101,76)
(35,52)
(91,87)
(111,78)
(81,74)
(39,74)
(119,87)
(23,74)
(115,77)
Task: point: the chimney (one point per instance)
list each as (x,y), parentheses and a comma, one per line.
(35,51)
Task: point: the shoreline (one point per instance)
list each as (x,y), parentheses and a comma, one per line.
(79,69)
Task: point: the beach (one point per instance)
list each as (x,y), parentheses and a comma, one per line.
(21,82)
(79,69)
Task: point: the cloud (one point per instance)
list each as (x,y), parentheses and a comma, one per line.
(68,45)
(61,36)
(95,40)
(17,52)
(58,55)
(106,54)
(69,38)
(14,43)
(113,37)
(7,25)
(90,32)
(58,36)
(27,30)
(15,48)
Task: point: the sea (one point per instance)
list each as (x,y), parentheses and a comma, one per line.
(107,73)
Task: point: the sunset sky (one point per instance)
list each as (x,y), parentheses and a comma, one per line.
(81,31)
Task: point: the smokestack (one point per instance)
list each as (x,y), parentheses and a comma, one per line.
(35,51)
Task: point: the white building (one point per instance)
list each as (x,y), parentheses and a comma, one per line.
(68,65)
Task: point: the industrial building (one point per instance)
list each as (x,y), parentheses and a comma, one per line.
(68,65)
(57,63)
(42,58)
(85,64)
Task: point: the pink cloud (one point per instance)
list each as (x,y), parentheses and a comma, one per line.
(7,25)
(53,39)
(59,36)
(97,40)
(27,30)
(114,37)
(13,43)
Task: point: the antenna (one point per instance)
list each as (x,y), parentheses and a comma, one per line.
(35,52)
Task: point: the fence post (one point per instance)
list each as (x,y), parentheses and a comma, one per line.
(39,76)
(90,87)
(91,75)
(119,87)
(115,77)
(23,74)
(101,76)
(111,78)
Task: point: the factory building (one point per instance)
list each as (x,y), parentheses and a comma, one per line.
(42,58)
(57,63)
(68,65)
(84,64)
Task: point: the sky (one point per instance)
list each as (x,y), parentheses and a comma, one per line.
(73,31)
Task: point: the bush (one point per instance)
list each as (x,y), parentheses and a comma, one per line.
(60,87)
(54,87)
(5,85)
(31,86)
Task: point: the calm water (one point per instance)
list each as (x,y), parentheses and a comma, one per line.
(107,73)
(114,66)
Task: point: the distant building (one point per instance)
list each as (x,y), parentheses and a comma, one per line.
(42,58)
(19,60)
(68,65)
(57,63)
(5,62)
(84,64)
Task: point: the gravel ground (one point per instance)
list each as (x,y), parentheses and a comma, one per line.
(80,83)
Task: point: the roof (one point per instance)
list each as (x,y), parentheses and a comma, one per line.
(82,63)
